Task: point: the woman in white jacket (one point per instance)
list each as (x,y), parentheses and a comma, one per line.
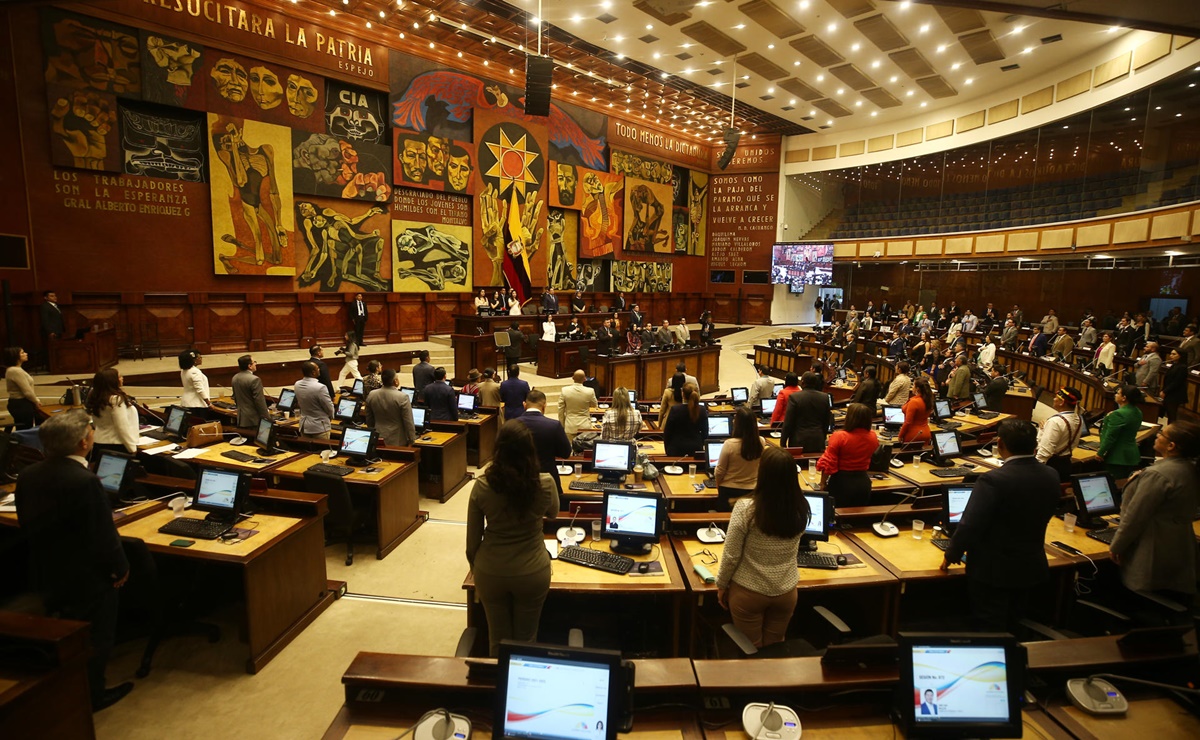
(113,412)
(1106,352)
(195,383)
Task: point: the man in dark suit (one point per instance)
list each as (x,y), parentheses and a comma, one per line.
(248,394)
(512,353)
(636,319)
(358,316)
(997,386)
(75,554)
(605,338)
(513,393)
(807,417)
(315,353)
(549,302)
(440,398)
(389,412)
(422,374)
(1003,531)
(549,437)
(53,325)
(619,302)
(1036,345)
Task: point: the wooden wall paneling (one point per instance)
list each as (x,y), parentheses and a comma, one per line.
(255,321)
(228,319)
(200,323)
(440,314)
(169,316)
(410,319)
(282,322)
(756,310)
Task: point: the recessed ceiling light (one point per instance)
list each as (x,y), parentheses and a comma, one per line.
(831,27)
(904,5)
(956,65)
(855,47)
(770,90)
(969,80)
(894,78)
(1027,49)
(796,63)
(874,113)
(941,48)
(875,64)
(829,122)
(804,4)
(925,28)
(841,90)
(687,46)
(745,77)
(770,46)
(910,93)
(792,101)
(368,24)
(812,113)
(858,104)
(1113,29)
(649,26)
(820,78)
(740,26)
(924,104)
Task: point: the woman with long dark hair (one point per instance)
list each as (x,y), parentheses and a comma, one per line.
(195,383)
(686,425)
(737,467)
(504,537)
(23,401)
(758,576)
(847,458)
(113,412)
(916,413)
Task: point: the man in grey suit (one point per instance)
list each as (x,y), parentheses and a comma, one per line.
(664,335)
(389,412)
(248,394)
(1008,338)
(1146,372)
(1190,346)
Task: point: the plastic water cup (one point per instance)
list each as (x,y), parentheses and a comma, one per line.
(578,470)
(692,470)
(916,461)
(177,505)
(1069,522)
(327,455)
(812,466)
(918,528)
(596,531)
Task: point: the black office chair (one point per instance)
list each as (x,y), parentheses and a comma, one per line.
(341,507)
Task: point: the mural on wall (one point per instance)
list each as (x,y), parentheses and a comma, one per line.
(338,168)
(343,246)
(562,230)
(680,223)
(564,186)
(697,212)
(643,168)
(431,257)
(594,276)
(161,142)
(428,161)
(250,178)
(602,213)
(355,114)
(641,277)
(247,88)
(169,71)
(647,225)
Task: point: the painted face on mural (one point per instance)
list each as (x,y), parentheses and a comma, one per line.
(566,184)
(458,169)
(231,79)
(265,88)
(414,160)
(435,148)
(176,57)
(99,58)
(301,96)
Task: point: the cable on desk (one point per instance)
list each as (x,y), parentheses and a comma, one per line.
(1082,583)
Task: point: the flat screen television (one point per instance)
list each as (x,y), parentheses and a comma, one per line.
(801,263)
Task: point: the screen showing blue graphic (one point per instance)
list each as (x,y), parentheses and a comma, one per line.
(555,698)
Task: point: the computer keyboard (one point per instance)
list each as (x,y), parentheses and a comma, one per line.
(816,560)
(942,543)
(987,414)
(595,485)
(160,435)
(225,405)
(948,426)
(242,457)
(1103,535)
(200,529)
(955,472)
(1093,446)
(710,483)
(330,469)
(599,559)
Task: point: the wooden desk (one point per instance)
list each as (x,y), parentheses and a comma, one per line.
(282,570)
(96,351)
(43,679)
(649,374)
(1083,456)
(922,474)
(443,463)
(680,492)
(889,483)
(481,435)
(212,458)
(559,359)
(394,489)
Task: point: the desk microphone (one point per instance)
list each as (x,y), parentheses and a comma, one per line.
(570,534)
(884,528)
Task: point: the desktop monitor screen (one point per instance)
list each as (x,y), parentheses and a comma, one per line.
(739,395)
(632,519)
(980,401)
(466,402)
(961,685)
(220,491)
(110,469)
(893,416)
(614,457)
(1095,494)
(412,392)
(632,396)
(347,409)
(287,400)
(820,516)
(266,433)
(945,444)
(358,443)
(176,421)
(418,413)
(714,453)
(768,406)
(358,388)
(778,389)
(942,409)
(549,692)
(719,426)
(954,503)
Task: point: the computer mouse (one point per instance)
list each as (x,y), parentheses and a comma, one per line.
(841,559)
(643,567)
(426,438)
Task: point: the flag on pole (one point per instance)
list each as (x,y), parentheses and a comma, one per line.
(516,262)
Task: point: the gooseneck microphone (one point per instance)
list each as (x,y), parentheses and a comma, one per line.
(570,534)
(884,528)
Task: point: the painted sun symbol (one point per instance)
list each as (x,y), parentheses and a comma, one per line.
(513,163)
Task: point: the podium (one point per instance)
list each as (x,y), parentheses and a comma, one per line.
(96,351)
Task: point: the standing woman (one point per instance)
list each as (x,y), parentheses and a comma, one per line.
(737,467)
(350,350)
(22,399)
(847,459)
(758,576)
(514,303)
(504,537)
(1106,352)
(113,412)
(622,421)
(499,303)
(1118,436)
(195,383)
(916,413)
(687,424)
(1154,546)
(1174,385)
(481,301)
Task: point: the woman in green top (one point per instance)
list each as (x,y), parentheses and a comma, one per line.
(1118,436)
(507,554)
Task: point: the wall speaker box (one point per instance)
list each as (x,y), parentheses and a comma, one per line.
(731,137)
(539,73)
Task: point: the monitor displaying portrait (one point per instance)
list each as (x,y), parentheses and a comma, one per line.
(287,400)
(961,685)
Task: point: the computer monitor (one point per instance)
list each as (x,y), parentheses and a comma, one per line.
(980,401)
(412,392)
(719,426)
(967,685)
(175,422)
(358,388)
(942,409)
(418,413)
(954,503)
(768,407)
(546,692)
(945,447)
(893,417)
(778,388)
(613,460)
(1095,496)
(265,438)
(287,400)
(466,402)
(820,520)
(714,453)
(633,520)
(841,373)
(221,494)
(347,410)
(358,445)
(113,470)
(632,397)
(739,395)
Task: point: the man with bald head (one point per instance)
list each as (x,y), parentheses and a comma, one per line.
(574,403)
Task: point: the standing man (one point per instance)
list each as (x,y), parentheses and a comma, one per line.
(549,302)
(605,339)
(619,303)
(1146,372)
(807,418)
(440,398)
(1008,337)
(389,412)
(75,555)
(764,387)
(1018,315)
(315,353)
(1060,434)
(422,374)
(664,335)
(1087,335)
(358,316)
(574,403)
(512,353)
(248,394)
(682,333)
(53,325)
(1063,345)
(314,401)
(1050,323)
(513,393)
(996,388)
(636,319)
(549,438)
(489,390)
(1003,531)
(958,385)
(1189,348)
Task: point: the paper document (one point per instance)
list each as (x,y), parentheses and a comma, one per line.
(190,453)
